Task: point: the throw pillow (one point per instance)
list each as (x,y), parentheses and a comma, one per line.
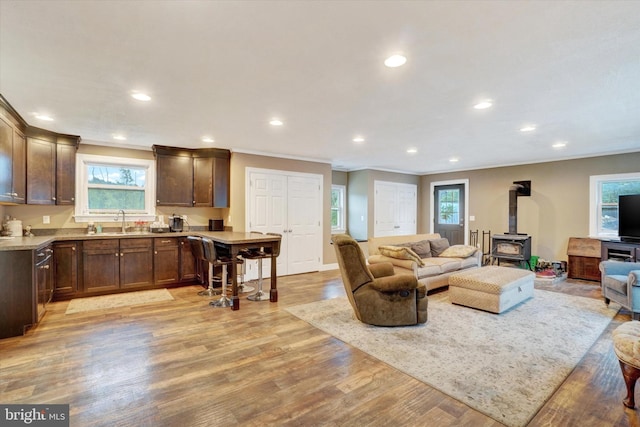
(458,251)
(422,248)
(400,253)
(438,246)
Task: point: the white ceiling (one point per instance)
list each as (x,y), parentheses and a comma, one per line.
(225,68)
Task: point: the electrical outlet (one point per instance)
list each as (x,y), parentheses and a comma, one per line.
(46,219)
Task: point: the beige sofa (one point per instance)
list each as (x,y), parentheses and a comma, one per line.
(436,269)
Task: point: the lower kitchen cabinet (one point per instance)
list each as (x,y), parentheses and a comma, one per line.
(101,265)
(65,271)
(166,260)
(114,264)
(26,288)
(136,261)
(187,261)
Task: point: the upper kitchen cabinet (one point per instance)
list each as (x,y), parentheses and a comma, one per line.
(51,164)
(192,177)
(37,166)
(12,155)
(174,176)
(41,171)
(66,148)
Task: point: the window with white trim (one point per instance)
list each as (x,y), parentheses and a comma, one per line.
(603,201)
(106,185)
(338,209)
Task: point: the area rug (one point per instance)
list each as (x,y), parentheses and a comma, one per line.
(505,366)
(79,305)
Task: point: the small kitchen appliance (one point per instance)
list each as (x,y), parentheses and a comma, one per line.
(176,223)
(216,225)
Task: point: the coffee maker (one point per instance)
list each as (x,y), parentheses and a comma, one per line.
(176,223)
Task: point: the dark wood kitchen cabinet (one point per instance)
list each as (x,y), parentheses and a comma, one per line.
(26,288)
(12,157)
(202,181)
(166,260)
(136,263)
(187,261)
(65,271)
(43,275)
(66,148)
(192,177)
(113,264)
(51,167)
(41,172)
(174,178)
(101,265)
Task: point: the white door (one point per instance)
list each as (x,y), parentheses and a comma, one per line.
(288,204)
(385,209)
(304,230)
(395,209)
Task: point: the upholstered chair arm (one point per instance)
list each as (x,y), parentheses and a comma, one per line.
(634,278)
(381,270)
(618,268)
(396,283)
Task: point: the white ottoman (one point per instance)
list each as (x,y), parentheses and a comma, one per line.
(491,288)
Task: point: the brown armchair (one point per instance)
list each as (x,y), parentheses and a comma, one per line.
(378,296)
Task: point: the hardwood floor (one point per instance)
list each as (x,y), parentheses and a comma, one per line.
(185,363)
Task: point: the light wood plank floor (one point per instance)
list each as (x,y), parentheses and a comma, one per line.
(184,363)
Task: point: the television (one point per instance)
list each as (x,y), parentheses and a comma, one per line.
(629,218)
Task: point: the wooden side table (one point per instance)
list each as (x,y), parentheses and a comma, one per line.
(584,258)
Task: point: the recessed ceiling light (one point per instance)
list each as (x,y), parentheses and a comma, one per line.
(560,144)
(395,61)
(120,137)
(358,139)
(207,139)
(528,128)
(412,150)
(453,160)
(44,117)
(484,104)
(276,122)
(141,96)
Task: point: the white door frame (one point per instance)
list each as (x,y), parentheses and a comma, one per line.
(465,183)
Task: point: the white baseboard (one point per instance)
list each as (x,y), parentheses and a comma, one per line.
(327,267)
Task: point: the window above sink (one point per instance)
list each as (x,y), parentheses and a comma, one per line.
(105,185)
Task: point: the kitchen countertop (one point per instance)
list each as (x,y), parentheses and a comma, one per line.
(35,242)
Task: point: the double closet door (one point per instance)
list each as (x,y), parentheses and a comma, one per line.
(395,209)
(290,204)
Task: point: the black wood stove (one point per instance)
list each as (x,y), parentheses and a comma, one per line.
(513,246)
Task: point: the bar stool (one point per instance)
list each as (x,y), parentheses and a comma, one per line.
(215,259)
(260,254)
(198,253)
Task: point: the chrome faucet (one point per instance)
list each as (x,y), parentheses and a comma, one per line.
(123,223)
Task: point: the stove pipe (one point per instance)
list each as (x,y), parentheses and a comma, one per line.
(513,208)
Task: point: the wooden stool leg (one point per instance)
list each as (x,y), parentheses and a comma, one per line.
(630,374)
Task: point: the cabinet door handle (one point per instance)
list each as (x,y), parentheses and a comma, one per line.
(165,241)
(117,254)
(121,254)
(73,199)
(46,267)
(155,252)
(73,248)
(53,198)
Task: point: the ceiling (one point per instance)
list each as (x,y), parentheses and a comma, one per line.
(224,69)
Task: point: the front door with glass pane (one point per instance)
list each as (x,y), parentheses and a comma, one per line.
(449,212)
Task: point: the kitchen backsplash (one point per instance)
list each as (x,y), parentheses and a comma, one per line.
(61,217)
